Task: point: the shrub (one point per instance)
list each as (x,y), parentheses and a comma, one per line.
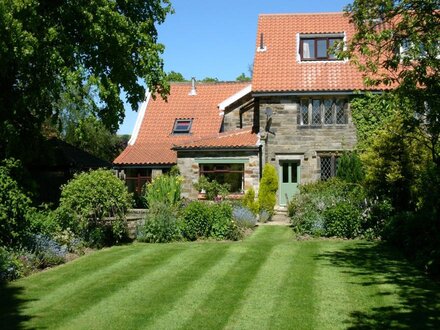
(244,217)
(268,189)
(222,224)
(328,208)
(11,266)
(14,208)
(342,220)
(375,216)
(160,225)
(175,171)
(350,168)
(417,235)
(196,220)
(164,189)
(87,200)
(47,251)
(264,216)
(249,201)
(209,220)
(44,221)
(212,189)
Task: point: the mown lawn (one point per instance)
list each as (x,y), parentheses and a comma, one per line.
(268,281)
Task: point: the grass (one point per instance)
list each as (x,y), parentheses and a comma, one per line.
(269,281)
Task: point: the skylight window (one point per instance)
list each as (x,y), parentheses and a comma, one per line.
(182,126)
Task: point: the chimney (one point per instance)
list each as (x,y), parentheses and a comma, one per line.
(262,47)
(193,87)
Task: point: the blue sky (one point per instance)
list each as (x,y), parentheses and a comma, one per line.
(216,38)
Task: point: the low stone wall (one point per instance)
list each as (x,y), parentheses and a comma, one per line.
(134,218)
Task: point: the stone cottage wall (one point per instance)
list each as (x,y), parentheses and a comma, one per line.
(238,118)
(189,168)
(300,142)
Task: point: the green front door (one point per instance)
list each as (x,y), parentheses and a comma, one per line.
(289,174)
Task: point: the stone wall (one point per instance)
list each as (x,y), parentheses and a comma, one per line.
(238,118)
(287,138)
(189,168)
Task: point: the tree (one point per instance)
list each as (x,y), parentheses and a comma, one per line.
(268,188)
(209,79)
(175,77)
(55,48)
(396,44)
(92,136)
(243,78)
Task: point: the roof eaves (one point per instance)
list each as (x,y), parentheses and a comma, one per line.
(245,91)
(139,119)
(216,148)
(313,92)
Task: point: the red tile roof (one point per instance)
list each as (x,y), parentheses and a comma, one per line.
(155,139)
(278,68)
(147,154)
(243,138)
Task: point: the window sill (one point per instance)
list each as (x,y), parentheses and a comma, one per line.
(322,126)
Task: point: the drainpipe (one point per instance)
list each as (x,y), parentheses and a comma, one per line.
(260,156)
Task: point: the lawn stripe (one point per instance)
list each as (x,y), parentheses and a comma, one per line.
(182,309)
(80,295)
(101,279)
(124,307)
(56,277)
(333,296)
(296,300)
(262,296)
(220,303)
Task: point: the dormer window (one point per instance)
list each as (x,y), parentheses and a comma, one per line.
(182,126)
(318,47)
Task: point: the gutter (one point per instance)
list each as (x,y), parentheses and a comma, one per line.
(250,148)
(310,93)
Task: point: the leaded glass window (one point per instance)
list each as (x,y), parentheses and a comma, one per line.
(328,112)
(304,117)
(329,166)
(316,112)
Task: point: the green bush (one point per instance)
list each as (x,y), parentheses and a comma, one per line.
(196,221)
(375,217)
(212,189)
(223,226)
(160,225)
(350,168)
(44,221)
(87,200)
(249,201)
(342,220)
(268,189)
(164,189)
(11,267)
(14,209)
(328,208)
(417,235)
(209,220)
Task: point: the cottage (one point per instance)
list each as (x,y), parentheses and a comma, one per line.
(295,114)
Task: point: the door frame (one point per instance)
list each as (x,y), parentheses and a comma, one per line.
(299,158)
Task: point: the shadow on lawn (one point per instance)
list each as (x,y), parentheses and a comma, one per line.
(11,305)
(419,297)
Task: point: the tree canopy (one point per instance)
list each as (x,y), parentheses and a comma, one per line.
(243,78)
(397,44)
(85,51)
(173,76)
